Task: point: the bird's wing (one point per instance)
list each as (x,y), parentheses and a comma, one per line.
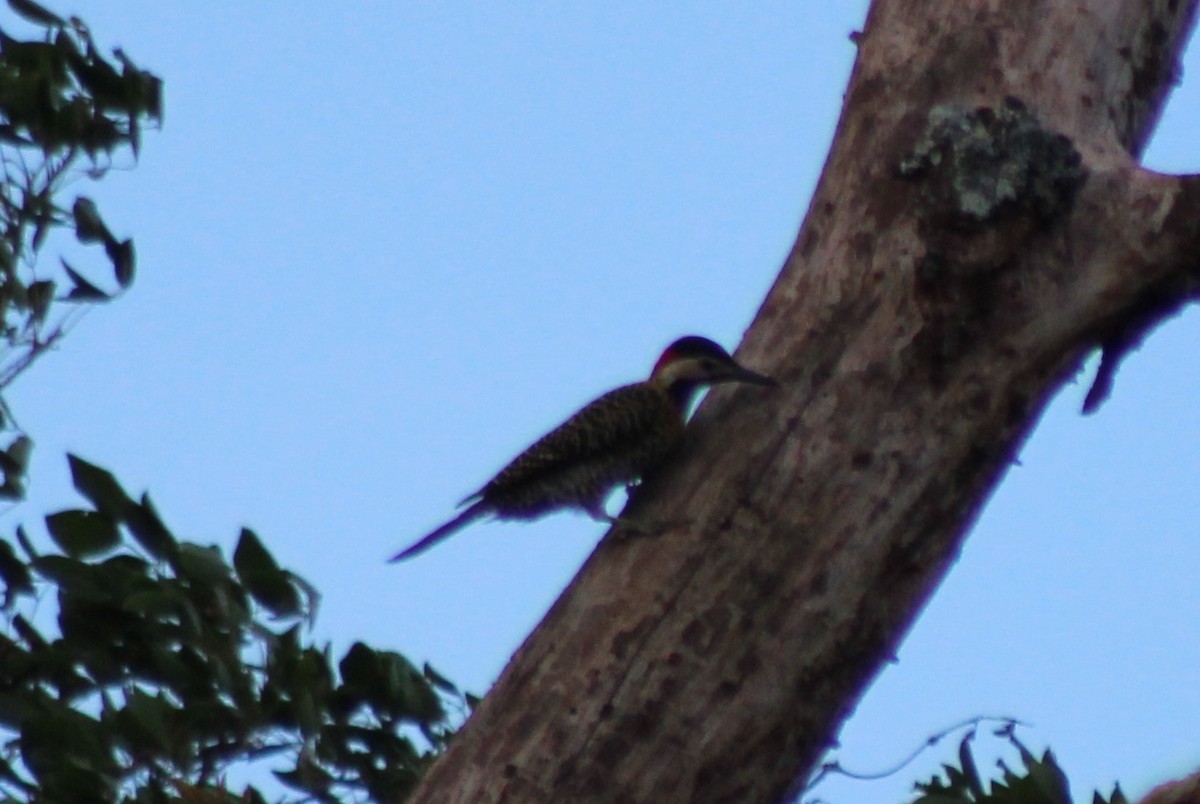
(619,424)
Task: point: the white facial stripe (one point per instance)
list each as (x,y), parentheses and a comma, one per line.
(687,369)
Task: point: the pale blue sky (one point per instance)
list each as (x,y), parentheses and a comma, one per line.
(384,246)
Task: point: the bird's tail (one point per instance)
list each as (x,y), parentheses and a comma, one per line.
(462,520)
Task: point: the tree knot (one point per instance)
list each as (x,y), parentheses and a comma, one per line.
(986,164)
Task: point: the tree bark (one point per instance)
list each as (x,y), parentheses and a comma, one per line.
(980,227)
(1177,791)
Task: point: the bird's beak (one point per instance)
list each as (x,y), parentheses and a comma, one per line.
(740,374)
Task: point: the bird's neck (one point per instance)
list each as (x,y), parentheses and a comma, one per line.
(682,393)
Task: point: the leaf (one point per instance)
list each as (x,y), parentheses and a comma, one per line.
(409,694)
(250,557)
(40,294)
(308,713)
(269,585)
(121,255)
(151,715)
(83,533)
(360,666)
(83,290)
(1050,779)
(97,77)
(99,486)
(970,772)
(308,777)
(61,738)
(1117,797)
(203,564)
(28,634)
(26,545)
(15,459)
(35,13)
(135,134)
(40,230)
(9,135)
(438,680)
(89,226)
(148,529)
(15,574)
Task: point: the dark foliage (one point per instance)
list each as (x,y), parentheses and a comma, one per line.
(66,110)
(1038,781)
(168,665)
(171,665)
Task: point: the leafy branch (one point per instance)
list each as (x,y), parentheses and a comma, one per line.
(66,109)
(171,666)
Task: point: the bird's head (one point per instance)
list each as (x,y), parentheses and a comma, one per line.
(693,362)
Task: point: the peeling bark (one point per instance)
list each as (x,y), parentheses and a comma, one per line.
(930,308)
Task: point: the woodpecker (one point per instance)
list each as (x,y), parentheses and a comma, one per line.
(611,441)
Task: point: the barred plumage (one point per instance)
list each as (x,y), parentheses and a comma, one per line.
(613,440)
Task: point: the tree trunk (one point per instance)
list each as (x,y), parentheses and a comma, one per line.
(1178,791)
(980,227)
